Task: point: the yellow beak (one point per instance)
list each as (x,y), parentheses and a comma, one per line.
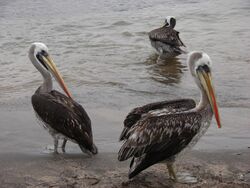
(52,67)
(206,82)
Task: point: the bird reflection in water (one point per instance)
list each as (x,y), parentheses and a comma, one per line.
(167,71)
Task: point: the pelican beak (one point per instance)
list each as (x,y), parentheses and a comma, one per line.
(52,67)
(206,81)
(166,24)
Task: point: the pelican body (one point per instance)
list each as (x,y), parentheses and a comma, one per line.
(159,132)
(166,39)
(60,114)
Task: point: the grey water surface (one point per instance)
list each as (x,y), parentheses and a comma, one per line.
(102,50)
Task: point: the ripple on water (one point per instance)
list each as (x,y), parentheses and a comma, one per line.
(118,41)
(69,27)
(121,23)
(127,34)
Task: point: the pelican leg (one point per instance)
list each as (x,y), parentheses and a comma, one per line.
(171,171)
(64,144)
(55,145)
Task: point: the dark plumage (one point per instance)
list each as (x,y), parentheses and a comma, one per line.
(155,139)
(166,35)
(166,41)
(171,106)
(151,133)
(159,132)
(63,116)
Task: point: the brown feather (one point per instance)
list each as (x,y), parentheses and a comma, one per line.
(64,116)
(166,35)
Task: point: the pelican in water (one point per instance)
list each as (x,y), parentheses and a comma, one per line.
(159,132)
(166,39)
(61,115)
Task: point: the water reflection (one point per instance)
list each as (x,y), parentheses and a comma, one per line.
(166,71)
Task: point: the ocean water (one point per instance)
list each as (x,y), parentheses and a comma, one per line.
(102,50)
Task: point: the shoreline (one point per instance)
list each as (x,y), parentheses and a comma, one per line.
(23,162)
(212,169)
(21,133)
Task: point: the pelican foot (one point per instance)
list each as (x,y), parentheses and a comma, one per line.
(55,153)
(49,149)
(171,172)
(186,178)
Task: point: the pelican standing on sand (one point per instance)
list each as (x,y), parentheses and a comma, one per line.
(61,115)
(166,40)
(159,132)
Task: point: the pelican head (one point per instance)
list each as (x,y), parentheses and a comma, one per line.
(170,21)
(40,58)
(200,67)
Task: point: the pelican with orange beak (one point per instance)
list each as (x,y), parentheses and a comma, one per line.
(161,131)
(61,115)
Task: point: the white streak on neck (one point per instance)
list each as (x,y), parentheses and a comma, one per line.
(47,85)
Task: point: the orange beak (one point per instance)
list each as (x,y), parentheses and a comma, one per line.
(206,82)
(52,67)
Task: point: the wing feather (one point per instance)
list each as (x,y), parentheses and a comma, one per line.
(172,106)
(166,35)
(159,134)
(65,116)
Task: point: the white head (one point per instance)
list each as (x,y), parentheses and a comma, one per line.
(36,52)
(198,59)
(39,47)
(40,58)
(200,68)
(170,21)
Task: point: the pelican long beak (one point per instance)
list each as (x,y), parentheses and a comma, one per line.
(206,81)
(52,67)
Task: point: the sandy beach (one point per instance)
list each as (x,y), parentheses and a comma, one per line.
(217,169)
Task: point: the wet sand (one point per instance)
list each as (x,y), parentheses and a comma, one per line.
(220,169)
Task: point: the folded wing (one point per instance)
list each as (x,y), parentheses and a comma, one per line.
(172,106)
(156,138)
(166,35)
(65,116)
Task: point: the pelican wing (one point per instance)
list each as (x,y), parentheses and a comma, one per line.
(166,35)
(165,130)
(157,138)
(65,116)
(171,106)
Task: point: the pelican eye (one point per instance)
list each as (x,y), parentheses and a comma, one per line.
(40,59)
(204,68)
(44,53)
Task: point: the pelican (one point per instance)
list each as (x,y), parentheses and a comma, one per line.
(166,39)
(159,132)
(61,115)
